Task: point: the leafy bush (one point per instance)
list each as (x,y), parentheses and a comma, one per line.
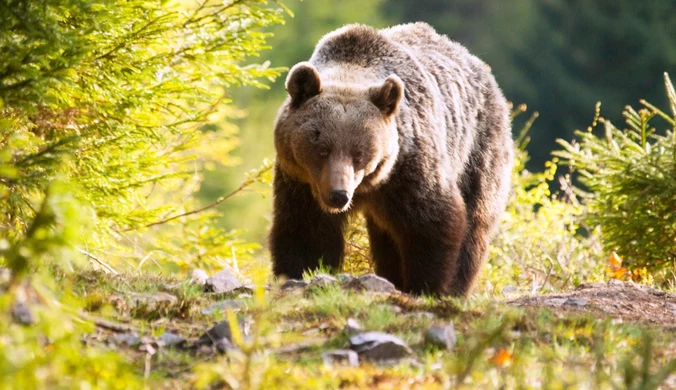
(104,107)
(542,242)
(40,344)
(115,97)
(629,184)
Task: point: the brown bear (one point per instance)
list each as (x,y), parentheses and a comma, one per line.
(406,127)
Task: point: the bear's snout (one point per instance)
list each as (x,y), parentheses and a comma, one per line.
(338,199)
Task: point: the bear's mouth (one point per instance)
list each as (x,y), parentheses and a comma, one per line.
(334,210)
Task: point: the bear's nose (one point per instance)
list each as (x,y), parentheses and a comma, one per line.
(338,199)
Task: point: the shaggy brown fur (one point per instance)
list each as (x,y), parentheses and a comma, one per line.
(410,129)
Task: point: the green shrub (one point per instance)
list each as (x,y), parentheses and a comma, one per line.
(628,182)
(116,97)
(542,243)
(107,113)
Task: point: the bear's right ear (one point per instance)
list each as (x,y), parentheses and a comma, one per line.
(302,83)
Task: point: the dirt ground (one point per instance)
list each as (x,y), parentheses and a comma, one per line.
(624,301)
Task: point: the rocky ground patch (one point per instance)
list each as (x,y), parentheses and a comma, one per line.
(358,332)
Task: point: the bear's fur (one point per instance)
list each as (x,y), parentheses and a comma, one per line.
(407,127)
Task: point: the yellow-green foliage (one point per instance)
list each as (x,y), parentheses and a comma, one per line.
(629,179)
(115,97)
(542,242)
(48,352)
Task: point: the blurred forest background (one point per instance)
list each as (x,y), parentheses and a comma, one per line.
(559,57)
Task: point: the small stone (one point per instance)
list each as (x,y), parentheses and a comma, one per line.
(222,282)
(129,339)
(341,357)
(224,346)
(344,278)
(509,290)
(222,307)
(169,339)
(198,276)
(151,301)
(221,331)
(555,301)
(148,345)
(581,302)
(591,285)
(22,314)
(615,283)
(379,347)
(248,289)
(393,308)
(352,327)
(292,284)
(372,283)
(322,280)
(441,336)
(421,315)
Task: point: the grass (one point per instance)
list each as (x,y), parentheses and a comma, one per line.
(498,346)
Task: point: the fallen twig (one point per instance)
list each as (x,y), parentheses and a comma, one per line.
(218,201)
(101,262)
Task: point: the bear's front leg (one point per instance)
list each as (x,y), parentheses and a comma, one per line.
(302,233)
(430,243)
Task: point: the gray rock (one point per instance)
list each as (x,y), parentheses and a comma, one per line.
(341,357)
(294,284)
(222,306)
(555,301)
(224,346)
(248,289)
(222,331)
(509,290)
(148,345)
(222,282)
(372,283)
(169,339)
(441,336)
(580,302)
(129,339)
(322,280)
(421,315)
(22,314)
(151,301)
(198,276)
(379,347)
(591,285)
(393,308)
(352,327)
(344,278)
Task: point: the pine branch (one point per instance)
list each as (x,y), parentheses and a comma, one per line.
(218,201)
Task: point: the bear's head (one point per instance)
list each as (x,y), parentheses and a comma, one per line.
(341,138)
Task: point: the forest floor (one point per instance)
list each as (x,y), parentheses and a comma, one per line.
(344,332)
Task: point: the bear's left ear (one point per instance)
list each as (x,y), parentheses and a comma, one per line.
(302,83)
(388,95)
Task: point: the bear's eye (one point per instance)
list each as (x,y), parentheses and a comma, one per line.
(315,135)
(357,157)
(323,152)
